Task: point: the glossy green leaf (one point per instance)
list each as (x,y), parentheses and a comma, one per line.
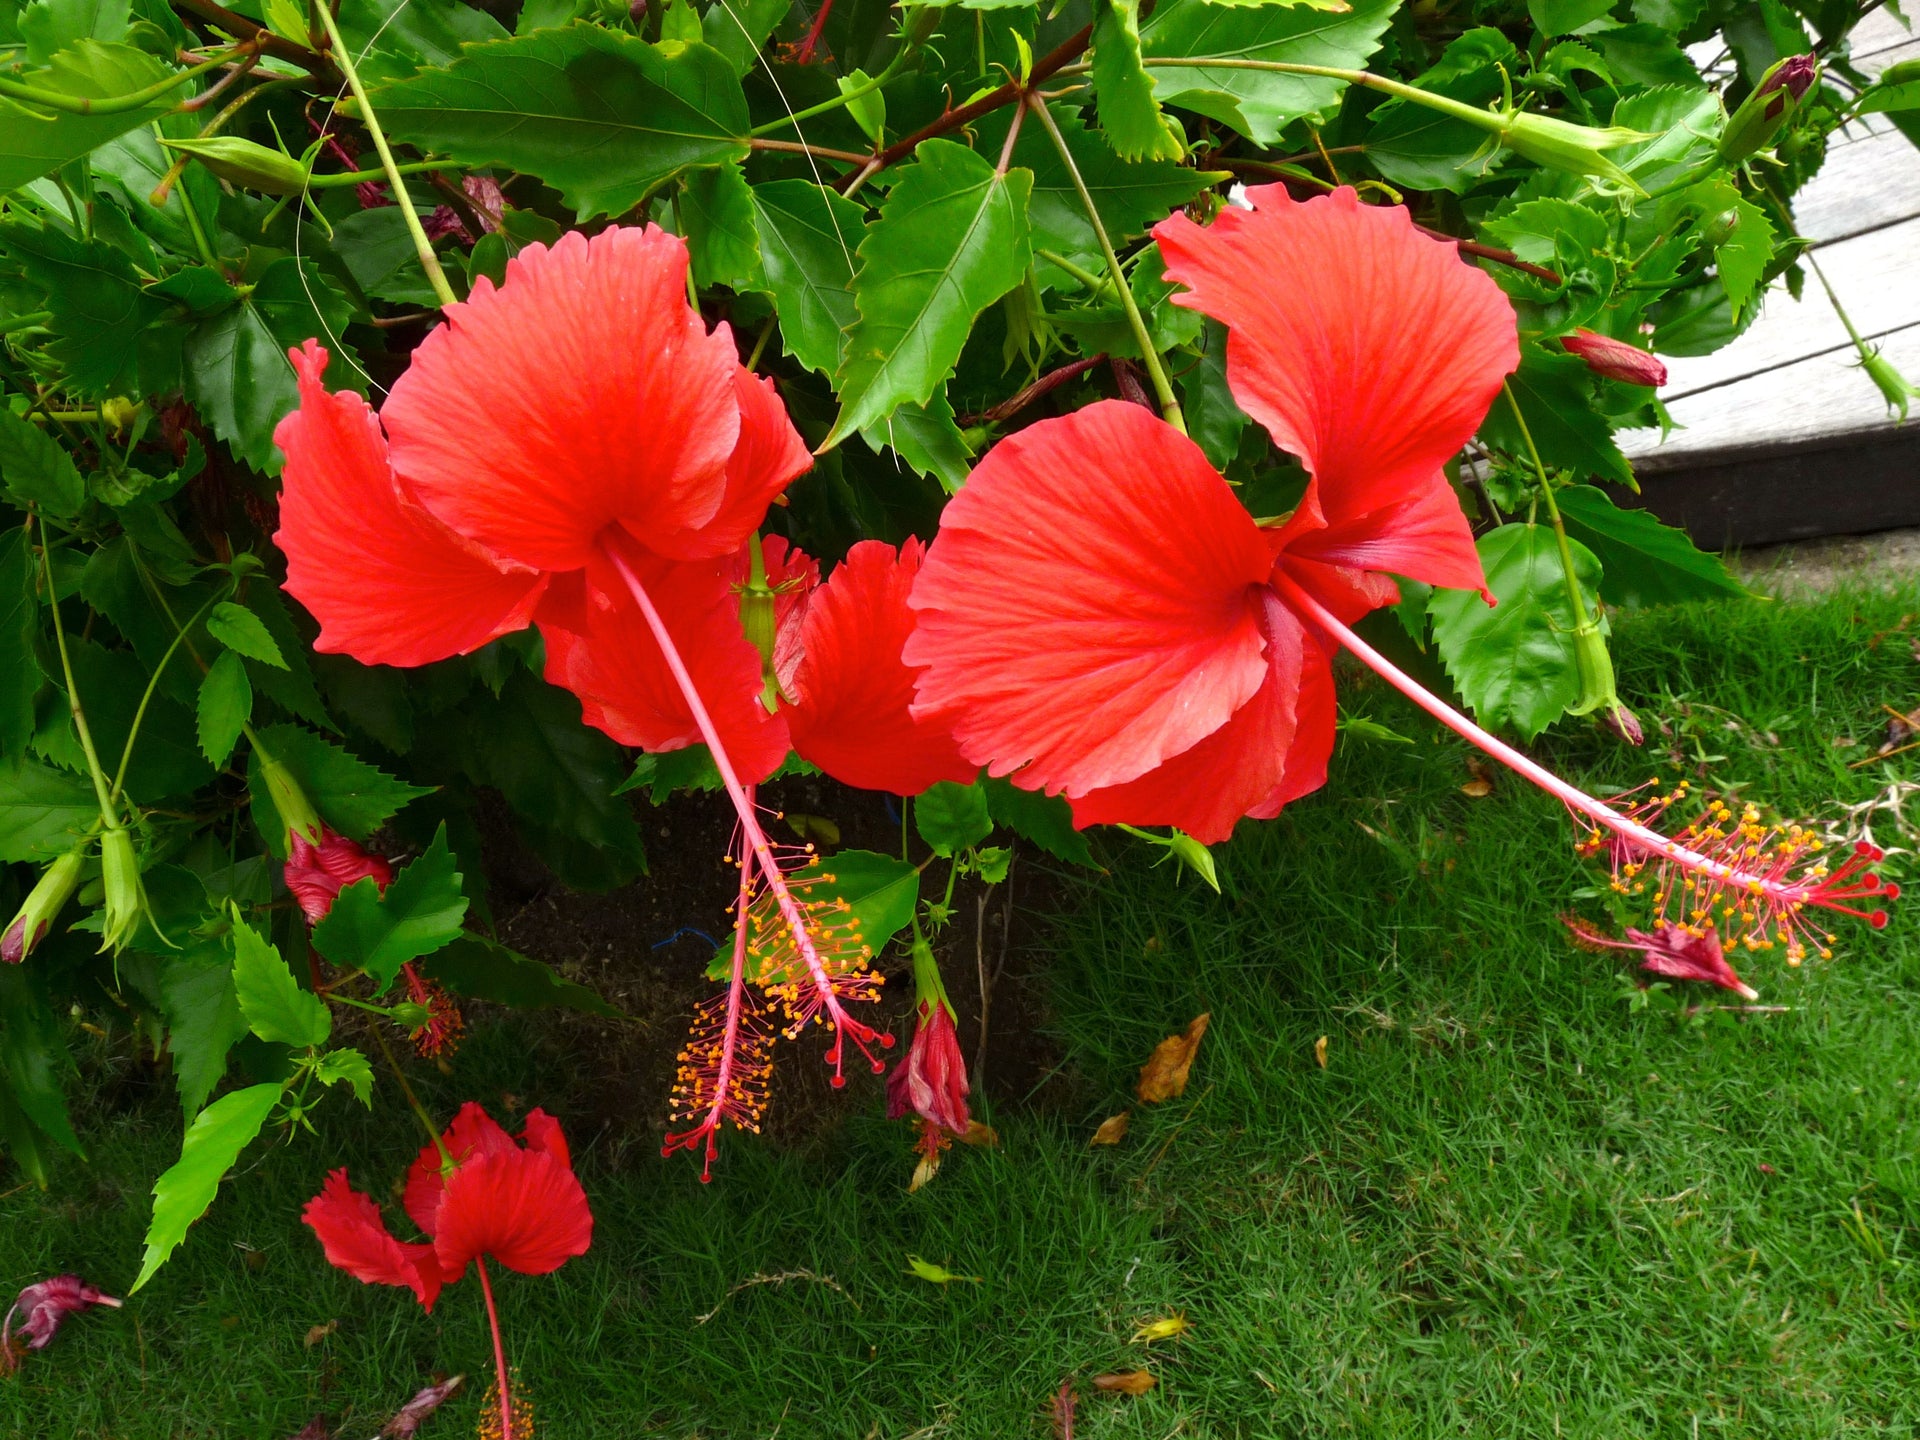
(33,1054)
(1258,103)
(928,439)
(1514,662)
(603,117)
(36,142)
(36,471)
(951,239)
(477,968)
(1562,17)
(1418,146)
(377,933)
(1646,563)
(880,891)
(275,1007)
(717,207)
(739,28)
(1046,820)
(290,686)
(1645,55)
(952,818)
(352,796)
(1214,419)
(808,236)
(214,1141)
(49,26)
(19,620)
(240,629)
(1129,114)
(43,811)
(226,703)
(391,40)
(101,315)
(203,1022)
(1555,396)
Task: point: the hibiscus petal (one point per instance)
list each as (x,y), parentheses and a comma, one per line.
(1316,715)
(355,1238)
(623,682)
(523,1208)
(1206,790)
(473,1132)
(389,584)
(1368,350)
(1424,536)
(1088,609)
(851,688)
(542,1132)
(582,393)
(769,453)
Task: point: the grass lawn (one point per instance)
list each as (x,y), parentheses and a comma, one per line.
(1512,1203)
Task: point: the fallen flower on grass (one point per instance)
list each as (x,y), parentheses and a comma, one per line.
(1113,1129)
(937,1275)
(407,1421)
(1164,1328)
(1127,1382)
(315,1429)
(1671,950)
(1164,1076)
(1061,1411)
(44,1308)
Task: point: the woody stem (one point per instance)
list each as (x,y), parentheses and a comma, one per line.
(499,1351)
(1578,800)
(755,838)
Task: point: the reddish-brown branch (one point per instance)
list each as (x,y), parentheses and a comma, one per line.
(1498,256)
(1052,380)
(241,27)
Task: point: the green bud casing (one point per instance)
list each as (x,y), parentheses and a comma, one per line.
(43,905)
(126,901)
(243,163)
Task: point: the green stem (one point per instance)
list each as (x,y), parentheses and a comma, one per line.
(838,102)
(1575,594)
(1157,372)
(111,104)
(153,683)
(1838,309)
(1093,282)
(360,177)
(109,811)
(24,322)
(429,261)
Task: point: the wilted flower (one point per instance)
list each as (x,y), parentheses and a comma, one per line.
(438,1034)
(1675,951)
(41,907)
(44,1308)
(1613,359)
(316,873)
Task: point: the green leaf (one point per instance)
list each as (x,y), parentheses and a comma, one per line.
(350,1066)
(1555,392)
(240,629)
(1646,563)
(880,891)
(1259,104)
(1514,662)
(739,28)
(1416,145)
(101,316)
(203,1022)
(1129,114)
(477,968)
(377,248)
(19,622)
(23,1142)
(1562,17)
(377,933)
(603,117)
(276,1008)
(1901,95)
(350,795)
(166,757)
(1685,123)
(1645,55)
(951,817)
(392,40)
(867,109)
(717,206)
(226,703)
(928,439)
(237,372)
(951,239)
(33,1055)
(43,811)
(49,27)
(36,470)
(214,1141)
(1742,258)
(807,239)
(36,142)
(290,686)
(1046,820)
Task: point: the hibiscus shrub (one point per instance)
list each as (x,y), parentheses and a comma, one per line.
(565,397)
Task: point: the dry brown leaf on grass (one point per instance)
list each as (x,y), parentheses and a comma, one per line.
(1127,1382)
(315,1429)
(321,1332)
(406,1423)
(1481,785)
(1320,1052)
(1113,1129)
(1061,1411)
(1164,1076)
(984,1136)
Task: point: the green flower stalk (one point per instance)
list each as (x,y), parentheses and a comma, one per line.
(42,907)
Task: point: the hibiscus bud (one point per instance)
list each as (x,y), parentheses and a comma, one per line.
(1597,692)
(1625,724)
(1895,388)
(931,1080)
(243,163)
(1613,359)
(126,900)
(43,904)
(1769,107)
(316,874)
(1562,145)
(296,811)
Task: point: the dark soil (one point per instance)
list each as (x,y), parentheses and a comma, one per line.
(644,948)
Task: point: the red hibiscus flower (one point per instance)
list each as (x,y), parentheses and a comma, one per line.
(317,873)
(1100,616)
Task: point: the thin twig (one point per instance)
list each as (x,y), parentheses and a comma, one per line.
(1052,380)
(781,1279)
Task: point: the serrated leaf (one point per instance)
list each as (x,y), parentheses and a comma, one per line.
(1645,562)
(237,372)
(226,703)
(1514,662)
(603,117)
(289,686)
(101,315)
(951,239)
(1555,396)
(1416,145)
(717,206)
(1563,17)
(36,142)
(352,796)
(19,621)
(807,237)
(390,40)
(1742,258)
(1259,104)
(350,1066)
(952,818)
(275,1007)
(1046,820)
(928,439)
(203,1022)
(240,629)
(33,1054)
(166,758)
(36,471)
(477,968)
(739,28)
(43,811)
(880,891)
(1123,91)
(49,27)
(214,1141)
(376,933)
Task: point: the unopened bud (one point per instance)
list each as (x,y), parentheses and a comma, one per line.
(410,1014)
(243,163)
(1194,856)
(1625,724)
(43,905)
(1576,149)
(1895,388)
(1597,691)
(296,811)
(1772,103)
(1614,359)
(125,900)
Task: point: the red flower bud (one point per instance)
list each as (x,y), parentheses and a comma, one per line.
(932,1080)
(316,873)
(1795,75)
(1615,359)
